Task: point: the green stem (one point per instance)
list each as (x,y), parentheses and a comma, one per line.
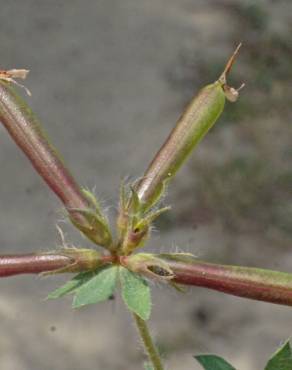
(149,345)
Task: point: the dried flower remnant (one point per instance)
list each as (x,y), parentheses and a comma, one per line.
(12,74)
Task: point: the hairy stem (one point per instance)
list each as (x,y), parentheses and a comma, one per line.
(148,343)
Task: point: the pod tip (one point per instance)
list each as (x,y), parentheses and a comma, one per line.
(230,92)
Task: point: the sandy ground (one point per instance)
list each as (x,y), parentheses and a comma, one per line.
(98,84)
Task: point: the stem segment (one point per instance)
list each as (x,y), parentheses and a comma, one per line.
(148,343)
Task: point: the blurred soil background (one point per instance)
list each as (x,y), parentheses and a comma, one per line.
(109,79)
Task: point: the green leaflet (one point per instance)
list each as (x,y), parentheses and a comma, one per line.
(213,362)
(71,285)
(135,293)
(281,359)
(97,289)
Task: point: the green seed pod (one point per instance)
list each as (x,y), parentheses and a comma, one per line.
(200,115)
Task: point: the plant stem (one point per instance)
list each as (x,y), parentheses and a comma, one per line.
(148,343)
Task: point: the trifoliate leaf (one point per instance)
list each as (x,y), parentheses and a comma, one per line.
(213,362)
(71,285)
(135,293)
(97,289)
(281,359)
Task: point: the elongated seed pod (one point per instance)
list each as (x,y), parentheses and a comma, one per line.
(200,115)
(198,118)
(26,130)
